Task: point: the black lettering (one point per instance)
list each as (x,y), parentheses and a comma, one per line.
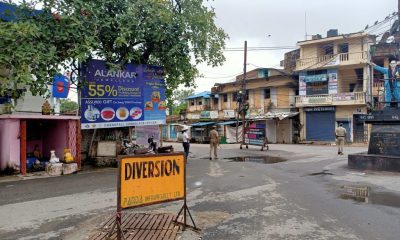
(157,169)
(144,170)
(128,171)
(168,169)
(151,169)
(138,169)
(162,168)
(175,167)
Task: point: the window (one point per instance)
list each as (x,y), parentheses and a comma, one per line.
(267,93)
(352,87)
(234,97)
(215,101)
(327,49)
(359,73)
(225,97)
(343,48)
(191,102)
(199,103)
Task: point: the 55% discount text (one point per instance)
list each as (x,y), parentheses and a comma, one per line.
(101,90)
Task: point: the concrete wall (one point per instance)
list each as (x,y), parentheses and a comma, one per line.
(9,143)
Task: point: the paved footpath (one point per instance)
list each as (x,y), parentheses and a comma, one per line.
(298,198)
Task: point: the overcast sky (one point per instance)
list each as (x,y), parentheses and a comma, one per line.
(284,20)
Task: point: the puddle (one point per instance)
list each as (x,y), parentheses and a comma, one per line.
(258,159)
(325,172)
(366,195)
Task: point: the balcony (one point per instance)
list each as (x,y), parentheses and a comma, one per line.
(354,98)
(341,59)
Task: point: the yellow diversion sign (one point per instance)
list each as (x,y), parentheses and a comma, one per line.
(145,180)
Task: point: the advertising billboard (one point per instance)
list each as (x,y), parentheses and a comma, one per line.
(133,96)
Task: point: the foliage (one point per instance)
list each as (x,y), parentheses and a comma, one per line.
(176,102)
(68,105)
(176,34)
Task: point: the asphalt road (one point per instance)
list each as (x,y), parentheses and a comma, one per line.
(297,196)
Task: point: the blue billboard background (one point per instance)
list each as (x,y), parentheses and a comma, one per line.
(119,98)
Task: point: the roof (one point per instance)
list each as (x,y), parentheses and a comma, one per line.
(205,94)
(199,124)
(338,37)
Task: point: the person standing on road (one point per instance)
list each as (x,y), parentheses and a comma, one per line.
(340,133)
(214,142)
(185,142)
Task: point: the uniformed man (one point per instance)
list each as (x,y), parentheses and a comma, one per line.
(214,141)
(340,133)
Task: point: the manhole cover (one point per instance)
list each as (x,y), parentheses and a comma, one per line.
(258,159)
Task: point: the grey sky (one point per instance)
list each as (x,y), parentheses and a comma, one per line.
(253,20)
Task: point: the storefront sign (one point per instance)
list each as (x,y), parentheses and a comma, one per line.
(320,109)
(134,96)
(344,97)
(229,113)
(151,179)
(193,116)
(315,78)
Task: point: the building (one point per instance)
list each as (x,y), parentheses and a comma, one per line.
(270,94)
(334,85)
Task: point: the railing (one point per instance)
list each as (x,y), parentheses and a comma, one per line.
(354,98)
(332,60)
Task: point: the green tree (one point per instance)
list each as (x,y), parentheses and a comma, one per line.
(68,105)
(177,101)
(176,34)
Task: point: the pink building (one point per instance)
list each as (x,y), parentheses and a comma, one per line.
(20,133)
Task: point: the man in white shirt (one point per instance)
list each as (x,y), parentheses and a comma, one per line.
(185,142)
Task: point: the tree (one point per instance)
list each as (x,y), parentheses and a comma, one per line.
(175,34)
(68,105)
(177,101)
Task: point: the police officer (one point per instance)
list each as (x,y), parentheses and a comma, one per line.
(214,142)
(340,133)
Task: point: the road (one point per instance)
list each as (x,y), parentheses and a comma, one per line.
(297,196)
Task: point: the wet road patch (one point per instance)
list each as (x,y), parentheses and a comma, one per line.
(364,194)
(258,159)
(323,173)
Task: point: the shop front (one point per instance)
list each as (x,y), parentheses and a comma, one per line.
(27,138)
(320,123)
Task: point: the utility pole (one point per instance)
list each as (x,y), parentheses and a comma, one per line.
(244,94)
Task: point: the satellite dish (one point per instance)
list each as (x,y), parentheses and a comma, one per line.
(390,39)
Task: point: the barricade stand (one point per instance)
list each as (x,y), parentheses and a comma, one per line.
(150,179)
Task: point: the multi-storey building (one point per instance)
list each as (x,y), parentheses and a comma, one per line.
(270,94)
(334,85)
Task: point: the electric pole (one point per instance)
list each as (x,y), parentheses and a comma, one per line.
(244,94)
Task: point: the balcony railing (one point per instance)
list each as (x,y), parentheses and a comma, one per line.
(332,60)
(354,98)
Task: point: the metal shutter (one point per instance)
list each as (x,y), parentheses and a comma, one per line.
(320,126)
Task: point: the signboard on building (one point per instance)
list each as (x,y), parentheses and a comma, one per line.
(229,113)
(134,96)
(320,109)
(333,81)
(150,179)
(209,114)
(316,78)
(193,116)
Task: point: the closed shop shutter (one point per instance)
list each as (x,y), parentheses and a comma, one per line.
(320,126)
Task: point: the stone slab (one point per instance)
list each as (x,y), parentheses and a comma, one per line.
(69,168)
(364,161)
(54,169)
(107,149)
